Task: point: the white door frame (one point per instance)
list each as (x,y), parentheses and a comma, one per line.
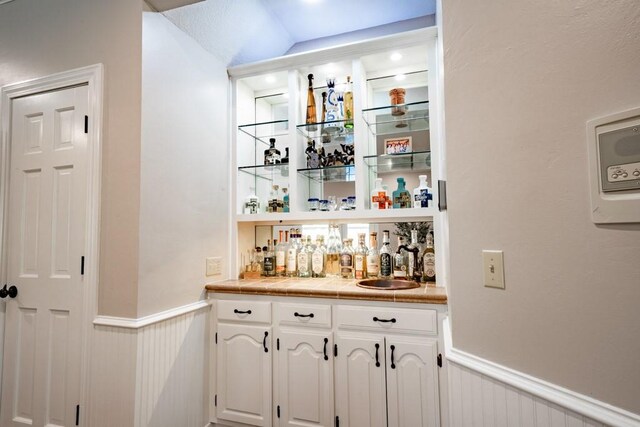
(93,76)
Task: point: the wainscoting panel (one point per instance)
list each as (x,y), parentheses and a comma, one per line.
(172,371)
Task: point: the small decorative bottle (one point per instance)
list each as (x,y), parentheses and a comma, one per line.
(272,154)
(401,197)
(348,105)
(251,203)
(379,196)
(285,200)
(312,115)
(422,194)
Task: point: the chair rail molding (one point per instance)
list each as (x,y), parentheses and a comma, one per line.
(141,322)
(580,404)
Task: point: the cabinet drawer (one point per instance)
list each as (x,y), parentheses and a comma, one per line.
(387,319)
(244,311)
(316,315)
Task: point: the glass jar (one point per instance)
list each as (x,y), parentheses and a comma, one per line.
(324,205)
(344,205)
(351,202)
(313,204)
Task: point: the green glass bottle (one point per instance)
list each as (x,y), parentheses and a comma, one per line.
(401,197)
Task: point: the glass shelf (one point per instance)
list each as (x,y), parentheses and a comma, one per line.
(265,130)
(268,172)
(332,132)
(392,119)
(343,173)
(416,161)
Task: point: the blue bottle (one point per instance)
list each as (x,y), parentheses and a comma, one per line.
(401,197)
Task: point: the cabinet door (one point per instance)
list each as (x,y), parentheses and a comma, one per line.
(305,371)
(412,382)
(360,384)
(244,374)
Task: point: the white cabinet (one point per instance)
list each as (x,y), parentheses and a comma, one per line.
(305,378)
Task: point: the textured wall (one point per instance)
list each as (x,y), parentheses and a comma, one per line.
(41,38)
(521,80)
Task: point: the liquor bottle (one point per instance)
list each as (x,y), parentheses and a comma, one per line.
(373,257)
(348,105)
(332,106)
(259,259)
(284,170)
(346,260)
(304,258)
(285,199)
(273,203)
(281,255)
(401,197)
(326,138)
(269,260)
(422,194)
(386,258)
(272,154)
(313,159)
(334,247)
(312,115)
(292,253)
(414,264)
(319,258)
(360,258)
(379,196)
(251,203)
(429,262)
(400,260)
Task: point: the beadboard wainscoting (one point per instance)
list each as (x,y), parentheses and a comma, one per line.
(152,371)
(484,394)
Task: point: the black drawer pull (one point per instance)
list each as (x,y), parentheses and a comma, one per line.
(392,320)
(310,315)
(393,364)
(326,340)
(264,342)
(377,361)
(236,311)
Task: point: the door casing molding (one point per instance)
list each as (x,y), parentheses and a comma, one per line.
(93,77)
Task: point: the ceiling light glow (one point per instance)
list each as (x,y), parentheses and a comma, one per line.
(395,56)
(400,77)
(270,79)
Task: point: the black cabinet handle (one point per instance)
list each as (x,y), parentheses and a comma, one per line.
(393,364)
(326,340)
(264,342)
(377,360)
(392,320)
(310,315)
(236,311)
(12,292)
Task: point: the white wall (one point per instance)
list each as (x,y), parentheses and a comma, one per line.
(521,80)
(184,215)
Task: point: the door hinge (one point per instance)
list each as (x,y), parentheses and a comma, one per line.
(442,195)
(82,265)
(278,344)
(77,415)
(86,124)
(278,411)
(215,400)
(337,421)
(440,360)
(335,350)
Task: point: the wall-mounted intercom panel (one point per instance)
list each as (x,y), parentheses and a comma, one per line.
(614,167)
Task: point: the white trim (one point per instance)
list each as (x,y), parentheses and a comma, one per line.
(93,77)
(141,322)
(4,1)
(584,405)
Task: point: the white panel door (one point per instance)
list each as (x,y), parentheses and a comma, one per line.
(46,238)
(412,382)
(244,374)
(360,381)
(305,376)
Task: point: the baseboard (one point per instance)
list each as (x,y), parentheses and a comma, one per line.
(579,403)
(129,323)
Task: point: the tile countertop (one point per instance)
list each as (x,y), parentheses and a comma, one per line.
(327,288)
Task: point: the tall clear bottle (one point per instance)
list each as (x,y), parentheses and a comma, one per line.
(429,262)
(312,115)
(400,260)
(334,247)
(346,260)
(360,258)
(348,105)
(269,260)
(304,258)
(386,257)
(319,258)
(373,257)
(281,255)
(292,253)
(414,263)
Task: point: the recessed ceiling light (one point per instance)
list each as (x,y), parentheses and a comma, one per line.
(400,77)
(270,79)
(395,56)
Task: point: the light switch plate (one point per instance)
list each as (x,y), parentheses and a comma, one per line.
(493,266)
(214,266)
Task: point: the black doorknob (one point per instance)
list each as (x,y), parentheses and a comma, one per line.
(12,291)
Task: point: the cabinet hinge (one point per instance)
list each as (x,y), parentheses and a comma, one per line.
(77,415)
(278,344)
(440,360)
(86,124)
(442,195)
(82,265)
(278,411)
(215,400)
(337,421)
(335,351)
(216,339)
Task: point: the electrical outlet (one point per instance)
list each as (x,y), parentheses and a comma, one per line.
(493,262)
(214,266)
